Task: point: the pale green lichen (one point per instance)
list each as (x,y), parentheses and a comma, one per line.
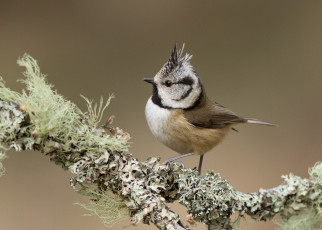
(212,200)
(316,173)
(74,140)
(52,115)
(2,157)
(58,125)
(307,218)
(109,208)
(49,112)
(9,129)
(7,94)
(96,112)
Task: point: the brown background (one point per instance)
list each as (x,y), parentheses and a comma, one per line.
(260,59)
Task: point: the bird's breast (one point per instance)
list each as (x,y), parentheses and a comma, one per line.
(171,128)
(157,119)
(162,125)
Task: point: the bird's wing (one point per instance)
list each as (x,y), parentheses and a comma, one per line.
(213,116)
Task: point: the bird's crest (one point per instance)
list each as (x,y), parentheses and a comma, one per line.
(175,60)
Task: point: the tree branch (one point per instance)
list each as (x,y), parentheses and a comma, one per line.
(100,159)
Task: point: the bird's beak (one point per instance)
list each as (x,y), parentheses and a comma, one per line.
(149,80)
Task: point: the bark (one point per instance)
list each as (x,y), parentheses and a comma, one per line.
(147,186)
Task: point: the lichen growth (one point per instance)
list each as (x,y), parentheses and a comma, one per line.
(49,112)
(96,112)
(109,208)
(2,169)
(306,220)
(57,126)
(98,158)
(308,217)
(9,129)
(316,172)
(53,115)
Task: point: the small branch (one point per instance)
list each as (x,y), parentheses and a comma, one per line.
(98,156)
(145,186)
(118,171)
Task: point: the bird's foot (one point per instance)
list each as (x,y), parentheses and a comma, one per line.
(176,158)
(171,159)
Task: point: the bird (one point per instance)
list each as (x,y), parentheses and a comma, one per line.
(181,116)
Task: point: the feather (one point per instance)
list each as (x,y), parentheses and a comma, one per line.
(258,122)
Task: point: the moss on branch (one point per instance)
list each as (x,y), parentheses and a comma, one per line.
(41,119)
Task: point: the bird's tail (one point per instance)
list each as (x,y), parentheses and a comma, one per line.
(258,122)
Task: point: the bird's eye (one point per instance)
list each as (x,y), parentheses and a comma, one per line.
(168,83)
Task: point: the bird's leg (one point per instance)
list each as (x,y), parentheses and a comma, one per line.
(176,158)
(200,164)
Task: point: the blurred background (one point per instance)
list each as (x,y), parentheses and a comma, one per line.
(260,59)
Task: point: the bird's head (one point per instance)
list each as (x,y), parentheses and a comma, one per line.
(177,85)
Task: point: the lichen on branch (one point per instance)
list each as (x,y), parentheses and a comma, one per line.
(41,119)
(53,115)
